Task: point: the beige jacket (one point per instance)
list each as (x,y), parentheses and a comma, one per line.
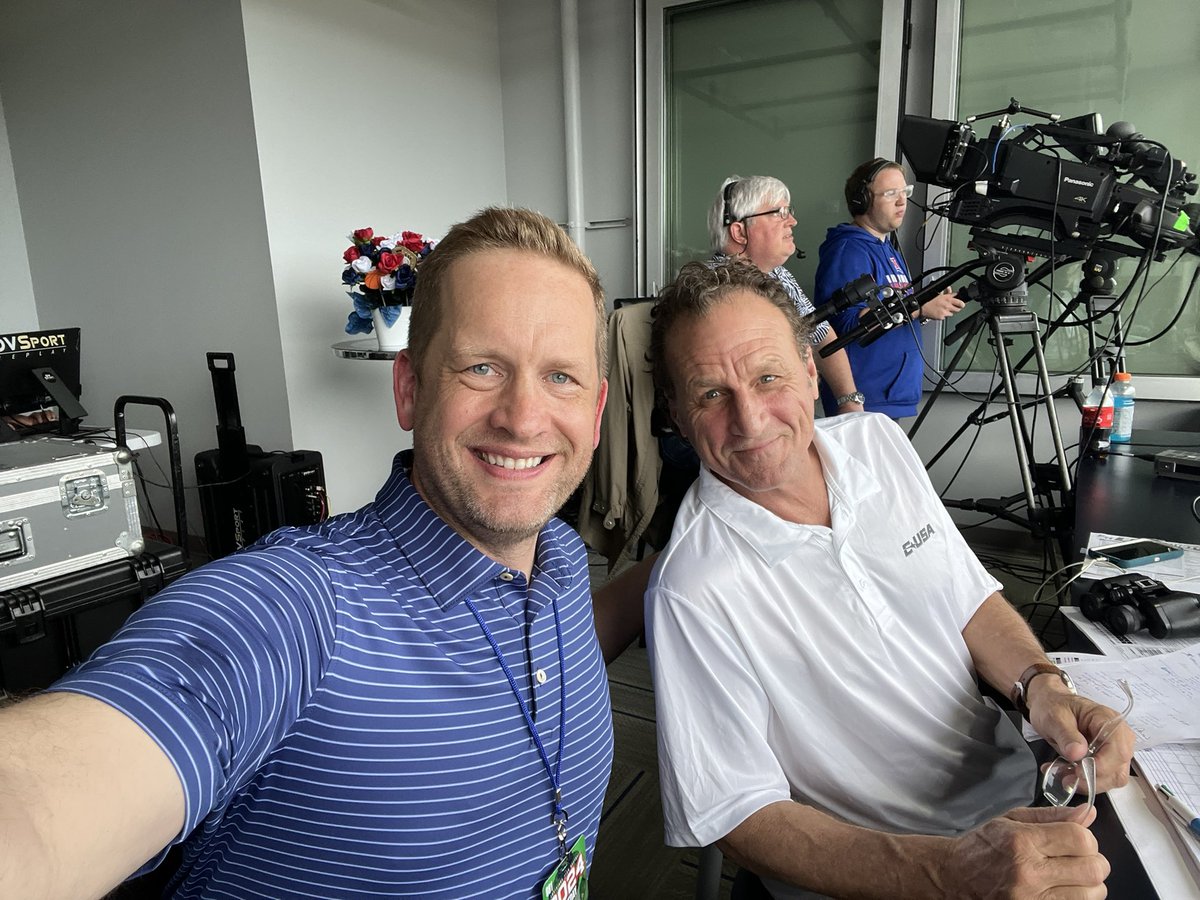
(620,492)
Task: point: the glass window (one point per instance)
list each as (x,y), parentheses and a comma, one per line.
(763,87)
(1132,61)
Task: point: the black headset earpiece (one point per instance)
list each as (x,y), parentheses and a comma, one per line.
(860,200)
(727,218)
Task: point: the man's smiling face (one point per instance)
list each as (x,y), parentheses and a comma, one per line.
(506,412)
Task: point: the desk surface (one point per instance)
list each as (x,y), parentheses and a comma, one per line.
(1129,877)
(1120,494)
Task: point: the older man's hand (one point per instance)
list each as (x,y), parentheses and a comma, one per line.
(1070,723)
(1026,854)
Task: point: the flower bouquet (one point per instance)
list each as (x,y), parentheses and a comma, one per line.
(381,273)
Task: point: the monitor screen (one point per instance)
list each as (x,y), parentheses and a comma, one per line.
(25,394)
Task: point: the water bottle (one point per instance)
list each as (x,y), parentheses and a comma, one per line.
(1122,391)
(1095,427)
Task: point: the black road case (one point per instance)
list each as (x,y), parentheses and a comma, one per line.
(50,626)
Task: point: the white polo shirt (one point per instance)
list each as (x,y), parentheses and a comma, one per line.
(827,665)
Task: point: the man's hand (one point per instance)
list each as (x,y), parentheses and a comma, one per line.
(1027,853)
(1070,723)
(943,306)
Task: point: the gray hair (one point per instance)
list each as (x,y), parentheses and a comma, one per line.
(691,297)
(745,197)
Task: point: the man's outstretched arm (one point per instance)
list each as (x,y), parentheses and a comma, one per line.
(86,797)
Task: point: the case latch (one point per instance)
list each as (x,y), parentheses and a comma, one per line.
(25,608)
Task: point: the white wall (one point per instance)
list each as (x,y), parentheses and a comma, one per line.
(18,312)
(133,152)
(188,173)
(531,66)
(379,113)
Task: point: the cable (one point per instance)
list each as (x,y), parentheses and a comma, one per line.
(1055,604)
(137,467)
(1178,313)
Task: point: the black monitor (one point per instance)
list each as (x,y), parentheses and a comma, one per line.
(39,383)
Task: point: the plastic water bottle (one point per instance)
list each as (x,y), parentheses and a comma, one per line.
(1122,391)
(1095,427)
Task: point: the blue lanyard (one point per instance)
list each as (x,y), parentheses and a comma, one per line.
(558,818)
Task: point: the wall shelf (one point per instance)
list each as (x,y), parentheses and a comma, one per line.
(362,349)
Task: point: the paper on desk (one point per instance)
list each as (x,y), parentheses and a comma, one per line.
(1128,646)
(1171,867)
(1166,692)
(1178,767)
(1183,571)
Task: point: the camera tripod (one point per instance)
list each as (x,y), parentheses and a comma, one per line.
(1001,292)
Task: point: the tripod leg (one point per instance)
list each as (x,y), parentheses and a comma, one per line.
(1064,470)
(1015,416)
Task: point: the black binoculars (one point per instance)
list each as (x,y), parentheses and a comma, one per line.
(1129,603)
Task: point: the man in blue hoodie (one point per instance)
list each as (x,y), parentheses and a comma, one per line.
(888,371)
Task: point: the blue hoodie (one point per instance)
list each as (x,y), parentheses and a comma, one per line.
(888,370)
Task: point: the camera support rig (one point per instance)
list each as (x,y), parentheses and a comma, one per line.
(1001,293)
(1089,205)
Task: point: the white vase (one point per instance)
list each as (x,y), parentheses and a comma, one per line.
(394,336)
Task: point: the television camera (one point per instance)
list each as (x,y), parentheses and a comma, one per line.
(1017,176)
(1092,206)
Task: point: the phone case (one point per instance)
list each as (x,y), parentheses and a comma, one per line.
(1139,560)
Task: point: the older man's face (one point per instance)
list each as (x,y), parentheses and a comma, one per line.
(744,395)
(769,239)
(506,410)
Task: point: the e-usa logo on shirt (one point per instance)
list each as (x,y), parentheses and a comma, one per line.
(918,539)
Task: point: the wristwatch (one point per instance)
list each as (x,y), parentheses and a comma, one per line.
(854,397)
(1020,690)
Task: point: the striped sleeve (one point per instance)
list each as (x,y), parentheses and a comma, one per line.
(216,667)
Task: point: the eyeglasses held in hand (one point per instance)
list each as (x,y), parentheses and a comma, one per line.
(893,193)
(782,213)
(1063,777)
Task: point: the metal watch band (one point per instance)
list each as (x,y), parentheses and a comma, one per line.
(853,397)
(1020,689)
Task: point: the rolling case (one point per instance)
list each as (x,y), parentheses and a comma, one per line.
(49,626)
(245,491)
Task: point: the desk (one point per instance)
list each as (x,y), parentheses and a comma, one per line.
(1120,494)
(105,438)
(1132,818)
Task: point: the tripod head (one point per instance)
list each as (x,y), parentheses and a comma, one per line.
(1001,286)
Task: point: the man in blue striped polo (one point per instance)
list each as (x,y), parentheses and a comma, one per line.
(405,701)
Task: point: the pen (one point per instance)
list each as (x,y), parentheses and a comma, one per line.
(1175,805)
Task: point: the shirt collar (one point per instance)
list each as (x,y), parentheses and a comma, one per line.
(774,539)
(446,563)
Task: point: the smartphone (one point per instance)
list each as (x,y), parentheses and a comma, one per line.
(1136,553)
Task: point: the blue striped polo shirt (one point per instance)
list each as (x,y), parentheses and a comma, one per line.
(340,723)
